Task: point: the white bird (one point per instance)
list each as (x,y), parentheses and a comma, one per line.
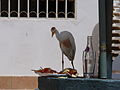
(67,44)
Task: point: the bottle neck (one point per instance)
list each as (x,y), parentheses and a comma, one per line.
(89,43)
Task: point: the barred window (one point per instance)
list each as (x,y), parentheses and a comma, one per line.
(37,8)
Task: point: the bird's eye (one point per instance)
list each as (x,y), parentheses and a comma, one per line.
(51,30)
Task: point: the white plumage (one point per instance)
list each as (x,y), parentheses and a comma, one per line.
(67,44)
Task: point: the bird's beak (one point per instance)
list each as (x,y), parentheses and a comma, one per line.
(53,33)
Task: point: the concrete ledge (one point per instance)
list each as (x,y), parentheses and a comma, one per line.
(17,89)
(78,84)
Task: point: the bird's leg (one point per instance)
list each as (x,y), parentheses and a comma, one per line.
(62,61)
(72,64)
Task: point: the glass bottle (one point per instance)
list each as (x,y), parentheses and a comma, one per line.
(88,59)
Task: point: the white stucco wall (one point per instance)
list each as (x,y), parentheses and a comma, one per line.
(26,44)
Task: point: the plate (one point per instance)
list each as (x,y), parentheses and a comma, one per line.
(51,75)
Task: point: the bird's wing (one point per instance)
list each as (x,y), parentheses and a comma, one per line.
(67,49)
(73,49)
(66,43)
(64,48)
(65,35)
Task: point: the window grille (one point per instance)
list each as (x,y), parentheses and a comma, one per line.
(37,8)
(116,29)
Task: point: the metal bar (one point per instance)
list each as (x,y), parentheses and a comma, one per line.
(18,8)
(56,8)
(8,8)
(47,9)
(37,8)
(65,8)
(28,9)
(105,29)
(75,8)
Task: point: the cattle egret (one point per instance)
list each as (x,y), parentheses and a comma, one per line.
(67,44)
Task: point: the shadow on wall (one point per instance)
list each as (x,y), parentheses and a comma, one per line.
(95,42)
(116,62)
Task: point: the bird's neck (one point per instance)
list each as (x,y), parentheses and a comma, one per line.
(57,35)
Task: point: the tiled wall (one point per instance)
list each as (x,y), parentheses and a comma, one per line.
(18,82)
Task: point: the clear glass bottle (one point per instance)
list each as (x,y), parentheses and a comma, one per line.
(88,59)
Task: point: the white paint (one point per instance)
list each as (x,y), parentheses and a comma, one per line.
(27,44)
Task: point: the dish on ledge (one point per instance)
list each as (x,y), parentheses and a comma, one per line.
(51,75)
(48,72)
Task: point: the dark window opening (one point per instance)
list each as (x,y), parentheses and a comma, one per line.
(13,8)
(61,8)
(23,8)
(23,14)
(70,8)
(33,8)
(52,8)
(52,14)
(42,14)
(4,8)
(42,8)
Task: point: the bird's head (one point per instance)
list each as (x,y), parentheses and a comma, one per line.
(53,30)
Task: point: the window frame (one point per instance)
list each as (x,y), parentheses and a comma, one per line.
(37,13)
